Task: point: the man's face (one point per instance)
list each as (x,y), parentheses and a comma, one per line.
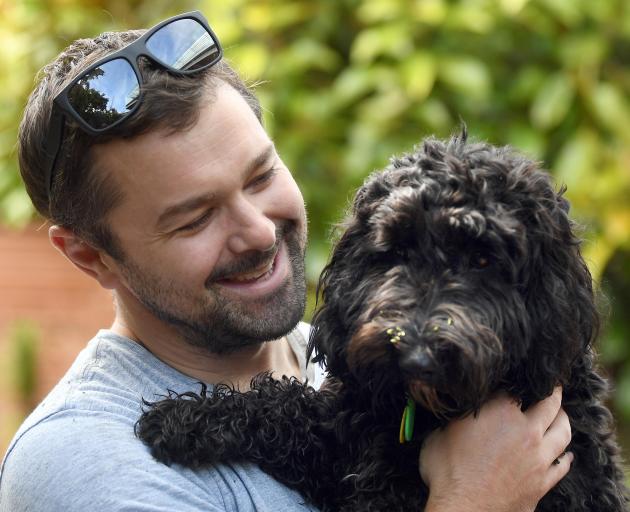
(213,228)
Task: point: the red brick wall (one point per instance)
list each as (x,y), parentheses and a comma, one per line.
(39,285)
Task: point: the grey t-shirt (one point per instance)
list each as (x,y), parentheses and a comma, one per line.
(77,450)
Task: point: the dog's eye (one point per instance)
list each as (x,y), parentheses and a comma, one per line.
(479,260)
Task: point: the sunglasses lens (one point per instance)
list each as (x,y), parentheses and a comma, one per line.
(184,44)
(106,94)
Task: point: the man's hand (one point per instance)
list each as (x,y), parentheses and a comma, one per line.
(503,460)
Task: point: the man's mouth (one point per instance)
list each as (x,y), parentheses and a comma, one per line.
(260,273)
(260,281)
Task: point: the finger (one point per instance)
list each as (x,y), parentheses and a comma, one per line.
(558,436)
(544,412)
(558,471)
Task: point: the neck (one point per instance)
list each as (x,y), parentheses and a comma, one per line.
(236,368)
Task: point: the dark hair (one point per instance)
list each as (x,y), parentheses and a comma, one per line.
(80,197)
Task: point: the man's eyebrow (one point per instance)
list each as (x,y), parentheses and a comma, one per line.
(185,206)
(259,160)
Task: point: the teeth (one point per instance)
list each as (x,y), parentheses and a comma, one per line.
(257,274)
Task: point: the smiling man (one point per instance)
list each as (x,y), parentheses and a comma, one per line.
(147,154)
(215,255)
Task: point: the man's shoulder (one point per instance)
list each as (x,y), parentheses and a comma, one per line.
(78,450)
(104,381)
(81,460)
(87,460)
(81,433)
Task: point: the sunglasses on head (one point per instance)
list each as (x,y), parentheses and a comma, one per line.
(110,90)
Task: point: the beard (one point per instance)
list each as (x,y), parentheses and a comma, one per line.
(222,324)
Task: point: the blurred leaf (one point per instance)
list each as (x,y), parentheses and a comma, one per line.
(384,106)
(566,11)
(512,7)
(465,75)
(436,116)
(552,102)
(16,208)
(583,49)
(391,40)
(618,225)
(433,12)
(616,285)
(527,140)
(251,59)
(611,109)
(622,396)
(616,349)
(257,16)
(473,16)
(418,74)
(526,84)
(24,340)
(306,54)
(377,11)
(352,83)
(576,161)
(597,253)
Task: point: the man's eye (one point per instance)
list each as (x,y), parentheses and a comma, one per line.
(197,223)
(263,178)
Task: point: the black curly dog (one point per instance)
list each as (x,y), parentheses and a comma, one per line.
(458,274)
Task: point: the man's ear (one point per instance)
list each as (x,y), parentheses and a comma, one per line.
(84,256)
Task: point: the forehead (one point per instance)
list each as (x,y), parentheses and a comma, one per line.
(161,167)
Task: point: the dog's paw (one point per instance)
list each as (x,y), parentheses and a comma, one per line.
(173,430)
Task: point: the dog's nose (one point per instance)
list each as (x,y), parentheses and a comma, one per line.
(417,362)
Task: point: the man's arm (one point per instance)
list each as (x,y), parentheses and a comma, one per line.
(80,461)
(501,460)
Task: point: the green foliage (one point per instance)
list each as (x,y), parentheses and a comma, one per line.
(347,83)
(23,342)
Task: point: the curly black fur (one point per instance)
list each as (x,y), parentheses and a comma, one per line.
(469,249)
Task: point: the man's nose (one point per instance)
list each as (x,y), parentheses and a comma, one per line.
(252,229)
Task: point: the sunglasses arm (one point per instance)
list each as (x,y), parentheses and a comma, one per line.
(53,145)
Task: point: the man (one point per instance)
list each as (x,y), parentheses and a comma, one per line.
(161,183)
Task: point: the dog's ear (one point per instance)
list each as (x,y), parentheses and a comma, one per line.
(399,221)
(375,188)
(376,224)
(340,298)
(559,297)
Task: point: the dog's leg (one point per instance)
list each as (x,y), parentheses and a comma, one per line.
(278,425)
